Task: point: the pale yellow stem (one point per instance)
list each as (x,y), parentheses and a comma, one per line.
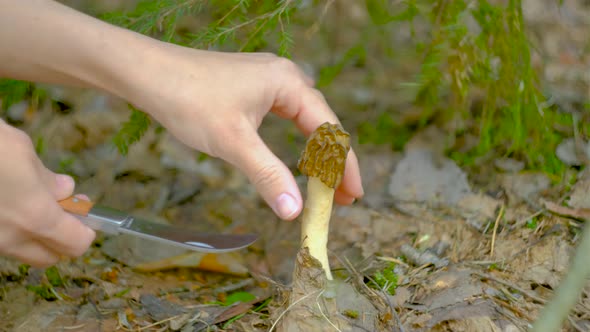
(316,221)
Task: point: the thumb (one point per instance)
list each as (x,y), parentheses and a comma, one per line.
(271,177)
(61,186)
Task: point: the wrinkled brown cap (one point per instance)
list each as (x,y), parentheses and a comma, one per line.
(324,156)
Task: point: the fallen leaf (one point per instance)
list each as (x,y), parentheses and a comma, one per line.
(227,263)
(402,295)
(238,309)
(159,309)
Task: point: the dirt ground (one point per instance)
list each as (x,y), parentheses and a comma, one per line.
(474,250)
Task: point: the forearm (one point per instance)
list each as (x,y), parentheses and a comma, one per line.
(44,41)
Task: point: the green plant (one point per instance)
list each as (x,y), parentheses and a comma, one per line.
(45,292)
(46,289)
(476,66)
(386,279)
(53,276)
(532,223)
(238,297)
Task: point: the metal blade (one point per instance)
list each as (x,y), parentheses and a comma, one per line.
(203,242)
(112,221)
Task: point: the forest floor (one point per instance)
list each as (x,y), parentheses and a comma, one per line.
(474,249)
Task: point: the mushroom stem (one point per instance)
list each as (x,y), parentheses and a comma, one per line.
(323,161)
(315,223)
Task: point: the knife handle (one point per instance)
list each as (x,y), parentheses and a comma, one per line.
(77,206)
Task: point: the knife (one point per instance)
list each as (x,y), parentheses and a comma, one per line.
(111,221)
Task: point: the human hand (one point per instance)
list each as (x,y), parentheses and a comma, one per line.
(215,102)
(33,227)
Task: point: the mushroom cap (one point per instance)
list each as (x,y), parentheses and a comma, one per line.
(325,154)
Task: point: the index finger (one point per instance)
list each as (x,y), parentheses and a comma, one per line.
(308,109)
(65,233)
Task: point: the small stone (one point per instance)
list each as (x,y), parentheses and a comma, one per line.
(16,112)
(509,165)
(566,152)
(418,178)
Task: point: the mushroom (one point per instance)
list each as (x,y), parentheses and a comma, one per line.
(315,300)
(323,161)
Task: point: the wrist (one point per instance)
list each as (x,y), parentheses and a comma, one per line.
(119,65)
(146,71)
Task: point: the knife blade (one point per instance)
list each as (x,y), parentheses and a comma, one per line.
(112,221)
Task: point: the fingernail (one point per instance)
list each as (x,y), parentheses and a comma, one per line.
(285,206)
(63,180)
(82,197)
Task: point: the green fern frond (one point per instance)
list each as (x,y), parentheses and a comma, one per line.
(285,44)
(132,130)
(158,18)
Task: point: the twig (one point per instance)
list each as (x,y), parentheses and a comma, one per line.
(500,214)
(252,35)
(278,11)
(74,327)
(229,12)
(158,322)
(513,286)
(393,260)
(234,286)
(317,301)
(580,214)
(288,308)
(527,218)
(316,25)
(575,325)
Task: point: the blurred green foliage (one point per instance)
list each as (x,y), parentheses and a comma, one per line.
(14,91)
(132,130)
(384,131)
(478,49)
